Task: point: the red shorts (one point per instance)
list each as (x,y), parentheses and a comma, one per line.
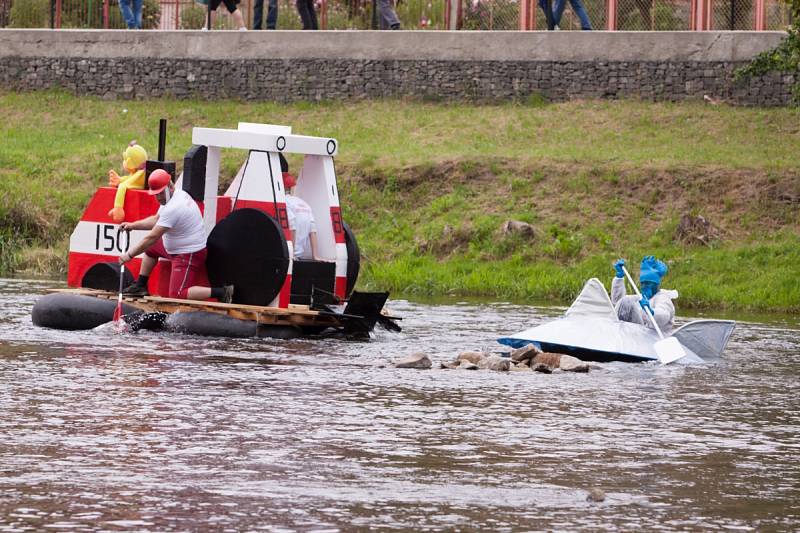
(188,270)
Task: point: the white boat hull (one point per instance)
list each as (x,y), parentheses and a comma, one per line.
(591,331)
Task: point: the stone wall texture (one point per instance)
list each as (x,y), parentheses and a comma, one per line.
(313,66)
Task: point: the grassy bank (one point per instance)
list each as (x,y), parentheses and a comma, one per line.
(427,187)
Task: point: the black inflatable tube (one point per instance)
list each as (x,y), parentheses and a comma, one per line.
(61,310)
(217,325)
(76,312)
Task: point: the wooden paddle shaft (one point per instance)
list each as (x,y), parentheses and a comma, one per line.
(121,278)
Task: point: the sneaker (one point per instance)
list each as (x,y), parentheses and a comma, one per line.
(228,296)
(136,290)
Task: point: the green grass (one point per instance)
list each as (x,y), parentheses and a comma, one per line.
(427,186)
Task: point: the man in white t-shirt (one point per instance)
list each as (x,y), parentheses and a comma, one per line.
(176,234)
(301,222)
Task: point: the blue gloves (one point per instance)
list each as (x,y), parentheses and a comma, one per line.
(645,303)
(618,268)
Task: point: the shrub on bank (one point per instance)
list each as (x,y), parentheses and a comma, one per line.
(30,14)
(784,58)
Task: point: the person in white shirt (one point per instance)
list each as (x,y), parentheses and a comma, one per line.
(176,234)
(301,221)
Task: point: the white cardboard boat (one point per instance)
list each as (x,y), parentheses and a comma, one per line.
(591,331)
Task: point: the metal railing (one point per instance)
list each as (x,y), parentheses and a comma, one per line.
(666,15)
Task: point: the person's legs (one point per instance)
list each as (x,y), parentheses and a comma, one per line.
(389,18)
(301,10)
(580,11)
(239,19)
(213,5)
(547,8)
(313,13)
(127,13)
(236,13)
(558,11)
(223,294)
(189,279)
(149,261)
(272,15)
(382,21)
(306,10)
(148,264)
(258,13)
(137,12)
(188,271)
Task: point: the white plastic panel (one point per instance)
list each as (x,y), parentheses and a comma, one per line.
(273,129)
(316,184)
(210,192)
(256,183)
(248,140)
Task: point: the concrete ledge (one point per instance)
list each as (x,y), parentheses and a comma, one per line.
(289,66)
(389,46)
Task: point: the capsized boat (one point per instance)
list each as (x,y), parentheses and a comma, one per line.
(591,331)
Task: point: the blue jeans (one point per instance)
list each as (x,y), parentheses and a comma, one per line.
(388,15)
(577,8)
(132,13)
(272,14)
(547,9)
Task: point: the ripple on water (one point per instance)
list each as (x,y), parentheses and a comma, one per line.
(157,432)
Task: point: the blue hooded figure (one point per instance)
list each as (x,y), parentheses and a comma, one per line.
(654,299)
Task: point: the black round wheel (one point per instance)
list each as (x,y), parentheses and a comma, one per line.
(247,249)
(105,277)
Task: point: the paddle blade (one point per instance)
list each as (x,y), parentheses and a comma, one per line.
(669,350)
(118,312)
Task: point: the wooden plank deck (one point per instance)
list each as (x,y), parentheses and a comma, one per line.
(294,315)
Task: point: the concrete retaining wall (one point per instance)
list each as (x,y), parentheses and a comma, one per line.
(487,66)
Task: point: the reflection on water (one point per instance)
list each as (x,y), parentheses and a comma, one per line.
(158,432)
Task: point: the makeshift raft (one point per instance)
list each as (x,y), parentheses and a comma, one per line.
(80,309)
(249,242)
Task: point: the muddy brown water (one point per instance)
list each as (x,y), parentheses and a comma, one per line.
(158,432)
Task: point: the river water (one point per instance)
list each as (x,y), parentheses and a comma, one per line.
(158,432)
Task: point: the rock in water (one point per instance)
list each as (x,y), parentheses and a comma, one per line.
(547,362)
(572,364)
(471,357)
(546,359)
(596,495)
(495,362)
(526,352)
(466,365)
(415,360)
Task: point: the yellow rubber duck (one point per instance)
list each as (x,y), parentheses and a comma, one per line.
(133,161)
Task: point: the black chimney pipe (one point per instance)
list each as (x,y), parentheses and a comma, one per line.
(151,164)
(162,138)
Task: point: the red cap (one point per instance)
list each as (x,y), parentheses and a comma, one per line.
(158,181)
(289,181)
